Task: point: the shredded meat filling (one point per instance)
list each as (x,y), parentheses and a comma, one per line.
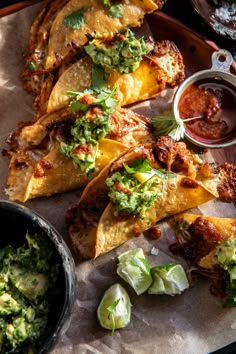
(204,237)
(175,156)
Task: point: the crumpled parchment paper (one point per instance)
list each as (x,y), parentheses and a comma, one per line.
(192,323)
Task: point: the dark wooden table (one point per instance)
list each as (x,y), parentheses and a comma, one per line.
(184,11)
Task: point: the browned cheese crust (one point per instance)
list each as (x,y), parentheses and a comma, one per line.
(227,187)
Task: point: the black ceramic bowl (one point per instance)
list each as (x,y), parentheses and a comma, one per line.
(16,220)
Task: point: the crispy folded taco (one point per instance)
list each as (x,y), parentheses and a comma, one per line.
(79,18)
(82,219)
(60,29)
(64,150)
(208,244)
(136,75)
(143,186)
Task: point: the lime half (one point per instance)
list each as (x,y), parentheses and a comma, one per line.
(168,279)
(114,310)
(135,270)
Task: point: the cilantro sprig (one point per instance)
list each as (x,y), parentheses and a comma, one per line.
(143,165)
(167,124)
(103,98)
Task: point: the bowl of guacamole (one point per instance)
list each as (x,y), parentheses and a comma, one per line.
(37,282)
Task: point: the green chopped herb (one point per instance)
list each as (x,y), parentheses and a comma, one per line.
(138,165)
(167,124)
(31,66)
(143,165)
(116,11)
(98,77)
(76,19)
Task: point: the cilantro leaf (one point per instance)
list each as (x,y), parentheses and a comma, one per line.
(143,165)
(167,124)
(115,11)
(102,97)
(138,165)
(98,77)
(76,19)
(76,106)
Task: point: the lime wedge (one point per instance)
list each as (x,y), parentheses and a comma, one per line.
(135,270)
(114,310)
(168,279)
(126,256)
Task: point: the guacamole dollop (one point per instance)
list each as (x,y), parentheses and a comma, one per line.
(226,255)
(95,109)
(121,51)
(27,276)
(134,189)
(114,10)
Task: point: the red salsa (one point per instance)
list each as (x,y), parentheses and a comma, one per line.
(215,100)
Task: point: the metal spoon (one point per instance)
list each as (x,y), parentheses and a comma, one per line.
(193,118)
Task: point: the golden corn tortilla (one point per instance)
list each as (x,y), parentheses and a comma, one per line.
(113,231)
(225,226)
(163,67)
(77,77)
(63,175)
(96,18)
(82,225)
(38,169)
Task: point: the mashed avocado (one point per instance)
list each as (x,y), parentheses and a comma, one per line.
(129,195)
(121,51)
(226,255)
(26,276)
(92,125)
